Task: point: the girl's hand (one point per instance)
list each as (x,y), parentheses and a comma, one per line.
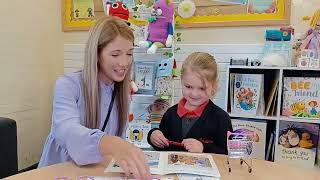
(193,145)
(130,158)
(158,139)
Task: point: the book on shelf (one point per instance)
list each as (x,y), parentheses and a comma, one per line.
(161,163)
(318,152)
(144,77)
(297,143)
(272,98)
(270,146)
(248,96)
(137,133)
(301,96)
(149,108)
(231,89)
(259,127)
(273,105)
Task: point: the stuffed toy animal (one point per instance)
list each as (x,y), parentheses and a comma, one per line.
(160,27)
(164,77)
(306,141)
(119,9)
(311,41)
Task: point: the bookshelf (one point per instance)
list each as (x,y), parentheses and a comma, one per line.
(270,74)
(143,104)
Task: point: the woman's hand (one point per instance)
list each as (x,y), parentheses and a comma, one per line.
(192,145)
(130,158)
(158,139)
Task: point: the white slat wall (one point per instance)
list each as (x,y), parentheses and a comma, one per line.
(74,53)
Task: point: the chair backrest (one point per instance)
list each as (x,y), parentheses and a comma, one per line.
(8,147)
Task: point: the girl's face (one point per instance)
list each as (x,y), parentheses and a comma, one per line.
(115,60)
(194,90)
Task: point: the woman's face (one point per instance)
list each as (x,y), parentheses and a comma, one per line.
(115,60)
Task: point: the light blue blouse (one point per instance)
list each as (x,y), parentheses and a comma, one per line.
(69,139)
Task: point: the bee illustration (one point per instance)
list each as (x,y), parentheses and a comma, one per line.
(297,107)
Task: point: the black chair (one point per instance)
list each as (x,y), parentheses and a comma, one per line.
(8,147)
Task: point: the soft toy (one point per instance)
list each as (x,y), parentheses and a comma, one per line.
(305,141)
(311,41)
(160,27)
(164,77)
(119,9)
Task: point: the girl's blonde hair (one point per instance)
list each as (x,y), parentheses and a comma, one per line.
(203,64)
(105,31)
(315,19)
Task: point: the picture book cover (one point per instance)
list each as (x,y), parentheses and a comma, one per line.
(249,126)
(301,96)
(297,143)
(162,163)
(137,133)
(144,77)
(149,108)
(247,91)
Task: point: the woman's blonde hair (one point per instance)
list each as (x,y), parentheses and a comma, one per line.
(105,31)
(315,19)
(203,64)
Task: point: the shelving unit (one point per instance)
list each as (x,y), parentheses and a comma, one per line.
(141,102)
(271,73)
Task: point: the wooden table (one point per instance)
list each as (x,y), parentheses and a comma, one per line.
(262,170)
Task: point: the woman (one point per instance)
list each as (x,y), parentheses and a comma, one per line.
(90,107)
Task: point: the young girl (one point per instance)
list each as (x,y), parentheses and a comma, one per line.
(195,124)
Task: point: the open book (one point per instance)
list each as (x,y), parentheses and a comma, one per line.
(162,163)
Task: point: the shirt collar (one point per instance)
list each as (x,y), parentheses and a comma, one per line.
(106,88)
(182,111)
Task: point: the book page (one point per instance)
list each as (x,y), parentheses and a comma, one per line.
(191,163)
(162,163)
(196,177)
(153,158)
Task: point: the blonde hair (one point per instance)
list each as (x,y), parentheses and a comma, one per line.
(105,31)
(315,19)
(203,64)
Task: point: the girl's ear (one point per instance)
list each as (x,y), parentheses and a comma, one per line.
(214,89)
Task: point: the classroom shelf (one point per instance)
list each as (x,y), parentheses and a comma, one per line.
(294,119)
(254,117)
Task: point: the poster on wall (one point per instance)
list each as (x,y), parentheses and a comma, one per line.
(262,6)
(83,9)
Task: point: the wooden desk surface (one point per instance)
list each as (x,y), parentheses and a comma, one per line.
(262,170)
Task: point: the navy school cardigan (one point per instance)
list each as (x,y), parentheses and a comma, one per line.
(211,129)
